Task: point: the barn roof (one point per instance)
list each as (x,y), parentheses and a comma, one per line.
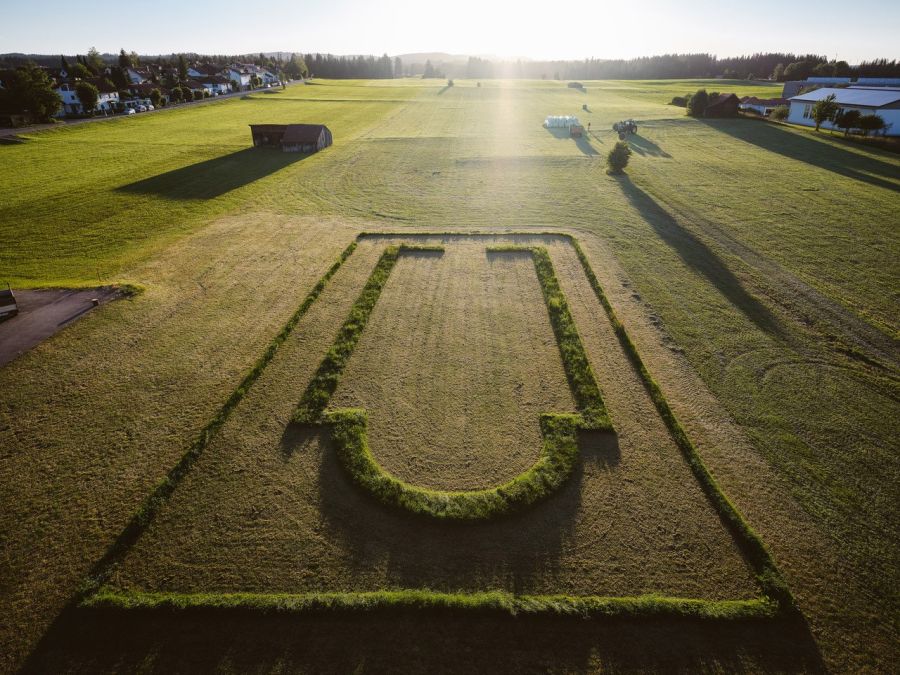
(874,98)
(721,98)
(302,133)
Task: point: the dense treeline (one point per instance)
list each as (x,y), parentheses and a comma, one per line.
(682,66)
(776,65)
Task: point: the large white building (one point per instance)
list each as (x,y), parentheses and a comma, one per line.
(881,101)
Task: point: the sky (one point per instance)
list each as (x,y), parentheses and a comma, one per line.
(866,29)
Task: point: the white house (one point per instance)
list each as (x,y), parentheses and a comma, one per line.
(762,106)
(107,101)
(243,72)
(881,101)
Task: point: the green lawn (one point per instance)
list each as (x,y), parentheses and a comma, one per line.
(763,257)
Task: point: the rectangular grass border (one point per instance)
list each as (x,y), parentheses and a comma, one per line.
(776,599)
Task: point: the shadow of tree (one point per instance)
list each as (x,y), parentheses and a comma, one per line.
(700,257)
(215,177)
(115,641)
(802,146)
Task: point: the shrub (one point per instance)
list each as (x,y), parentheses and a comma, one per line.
(696,105)
(870,123)
(617,159)
(847,120)
(680,101)
(155,97)
(781,112)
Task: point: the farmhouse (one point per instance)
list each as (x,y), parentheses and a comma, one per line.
(291,137)
(881,101)
(762,106)
(725,105)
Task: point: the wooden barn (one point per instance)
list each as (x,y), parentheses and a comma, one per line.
(725,105)
(291,137)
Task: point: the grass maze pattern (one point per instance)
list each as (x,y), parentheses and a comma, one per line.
(559,431)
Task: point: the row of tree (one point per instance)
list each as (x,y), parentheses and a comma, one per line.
(775,65)
(827,110)
(353,67)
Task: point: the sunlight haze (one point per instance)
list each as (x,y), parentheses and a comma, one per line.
(500,29)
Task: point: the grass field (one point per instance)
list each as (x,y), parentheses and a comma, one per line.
(754,267)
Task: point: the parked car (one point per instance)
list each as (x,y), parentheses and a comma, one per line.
(142,108)
(129,111)
(150,107)
(8,305)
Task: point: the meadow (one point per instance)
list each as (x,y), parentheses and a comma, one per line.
(752,266)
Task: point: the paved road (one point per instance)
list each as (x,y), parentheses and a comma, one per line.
(45,312)
(7,131)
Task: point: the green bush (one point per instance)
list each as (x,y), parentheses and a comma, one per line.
(781,113)
(696,106)
(617,159)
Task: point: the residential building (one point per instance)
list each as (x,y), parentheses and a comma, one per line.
(881,101)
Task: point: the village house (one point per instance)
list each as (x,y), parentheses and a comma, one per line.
(761,106)
(881,101)
(107,101)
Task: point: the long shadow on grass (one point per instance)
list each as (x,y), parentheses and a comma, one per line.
(700,257)
(515,552)
(109,641)
(644,146)
(583,142)
(215,177)
(806,148)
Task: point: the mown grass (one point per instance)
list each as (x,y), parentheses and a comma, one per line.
(325,381)
(575,362)
(812,208)
(559,454)
(164,489)
(559,450)
(767,573)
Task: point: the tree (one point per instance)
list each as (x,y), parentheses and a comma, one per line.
(176,95)
(429,70)
(197,94)
(824,109)
(617,159)
(870,123)
(79,71)
(94,61)
(296,67)
(697,104)
(155,97)
(182,68)
(88,94)
(781,113)
(398,67)
(778,73)
(119,77)
(63,64)
(255,81)
(124,60)
(847,120)
(823,70)
(30,91)
(235,85)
